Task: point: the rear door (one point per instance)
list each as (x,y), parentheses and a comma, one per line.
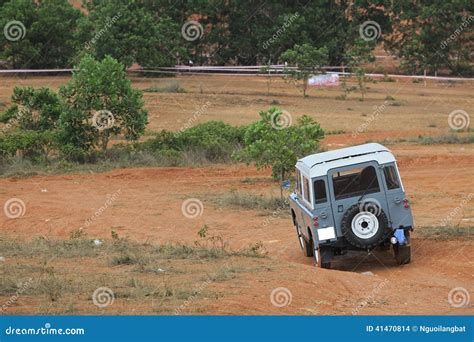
(322,204)
(348,184)
(400,212)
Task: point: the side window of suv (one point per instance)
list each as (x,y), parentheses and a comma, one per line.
(391,177)
(320,191)
(306,189)
(298,182)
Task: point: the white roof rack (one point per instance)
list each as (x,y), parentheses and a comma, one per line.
(319,164)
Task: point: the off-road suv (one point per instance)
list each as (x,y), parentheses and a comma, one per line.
(351,198)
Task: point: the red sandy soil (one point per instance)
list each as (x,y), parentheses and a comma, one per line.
(148,208)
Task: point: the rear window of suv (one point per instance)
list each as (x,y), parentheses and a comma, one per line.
(320,191)
(391,177)
(355,182)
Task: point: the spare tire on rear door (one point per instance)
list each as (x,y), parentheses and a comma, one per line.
(365,225)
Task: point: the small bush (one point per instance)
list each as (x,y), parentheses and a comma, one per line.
(335,131)
(446,139)
(173,87)
(387,78)
(249,201)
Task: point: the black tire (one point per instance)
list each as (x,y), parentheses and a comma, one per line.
(403,252)
(306,246)
(380,235)
(319,256)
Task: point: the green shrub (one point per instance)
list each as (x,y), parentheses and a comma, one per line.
(212,141)
(30,144)
(172,87)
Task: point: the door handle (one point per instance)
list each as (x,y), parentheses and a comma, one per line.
(324,215)
(398,200)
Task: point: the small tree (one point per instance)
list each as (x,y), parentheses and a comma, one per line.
(31,123)
(32,109)
(38,34)
(101,97)
(357,56)
(268,144)
(266,70)
(308,60)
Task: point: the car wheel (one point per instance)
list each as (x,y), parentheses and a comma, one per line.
(319,257)
(305,245)
(365,228)
(403,252)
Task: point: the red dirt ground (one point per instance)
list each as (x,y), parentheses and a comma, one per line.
(148,208)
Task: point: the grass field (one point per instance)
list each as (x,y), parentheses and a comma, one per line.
(155,262)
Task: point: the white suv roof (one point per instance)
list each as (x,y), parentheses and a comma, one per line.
(316,165)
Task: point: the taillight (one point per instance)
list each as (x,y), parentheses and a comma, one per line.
(406,204)
(315,221)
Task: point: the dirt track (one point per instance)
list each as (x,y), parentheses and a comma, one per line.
(148,208)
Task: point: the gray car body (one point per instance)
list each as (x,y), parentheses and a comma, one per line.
(329,214)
